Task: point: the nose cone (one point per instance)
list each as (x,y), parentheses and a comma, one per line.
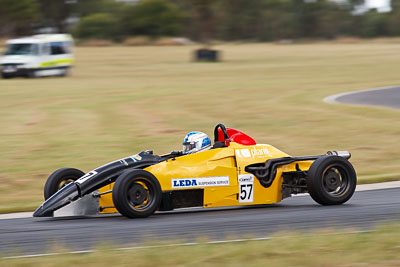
(41,212)
(63,197)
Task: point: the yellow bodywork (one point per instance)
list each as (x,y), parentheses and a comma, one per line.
(223,166)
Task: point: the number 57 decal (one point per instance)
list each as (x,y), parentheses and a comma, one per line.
(246,188)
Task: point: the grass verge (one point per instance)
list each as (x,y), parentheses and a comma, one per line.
(323,248)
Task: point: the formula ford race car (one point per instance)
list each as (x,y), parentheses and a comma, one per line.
(235,171)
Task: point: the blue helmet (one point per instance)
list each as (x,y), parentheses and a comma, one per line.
(195,142)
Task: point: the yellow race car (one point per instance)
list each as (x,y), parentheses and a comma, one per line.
(234,171)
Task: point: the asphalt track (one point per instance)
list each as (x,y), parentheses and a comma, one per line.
(384,97)
(38,235)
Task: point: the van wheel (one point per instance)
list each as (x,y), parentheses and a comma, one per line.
(64,72)
(33,74)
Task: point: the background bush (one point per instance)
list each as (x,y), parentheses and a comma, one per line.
(98,26)
(153,18)
(255,20)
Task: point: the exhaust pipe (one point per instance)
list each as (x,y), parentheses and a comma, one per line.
(343,154)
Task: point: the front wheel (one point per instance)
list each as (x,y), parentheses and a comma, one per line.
(331,180)
(136,194)
(59,179)
(32,74)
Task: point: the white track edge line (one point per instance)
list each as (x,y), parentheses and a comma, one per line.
(176,245)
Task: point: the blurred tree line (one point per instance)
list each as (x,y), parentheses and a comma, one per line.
(254,20)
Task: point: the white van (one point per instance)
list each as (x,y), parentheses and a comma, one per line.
(37,56)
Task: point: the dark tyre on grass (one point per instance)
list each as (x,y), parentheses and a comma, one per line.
(136,194)
(59,179)
(331,180)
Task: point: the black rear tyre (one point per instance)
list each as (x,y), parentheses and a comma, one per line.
(331,180)
(59,179)
(64,72)
(32,74)
(136,194)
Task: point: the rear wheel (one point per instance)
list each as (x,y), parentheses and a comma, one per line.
(136,194)
(63,72)
(59,179)
(331,180)
(32,74)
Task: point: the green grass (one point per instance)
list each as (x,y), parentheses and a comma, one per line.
(120,100)
(324,248)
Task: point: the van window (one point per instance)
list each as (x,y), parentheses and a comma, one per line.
(22,49)
(58,48)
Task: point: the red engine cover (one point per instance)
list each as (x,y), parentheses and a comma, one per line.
(237,137)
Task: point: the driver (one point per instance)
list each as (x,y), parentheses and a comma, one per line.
(196,142)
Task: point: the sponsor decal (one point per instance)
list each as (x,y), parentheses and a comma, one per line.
(123,162)
(86,177)
(246,188)
(200,182)
(253,153)
(243,153)
(261,152)
(136,158)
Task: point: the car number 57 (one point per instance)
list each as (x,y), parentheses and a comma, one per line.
(246,188)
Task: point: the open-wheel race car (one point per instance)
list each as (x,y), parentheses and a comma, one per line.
(234,171)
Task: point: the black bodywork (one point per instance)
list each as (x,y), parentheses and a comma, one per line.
(98,178)
(108,173)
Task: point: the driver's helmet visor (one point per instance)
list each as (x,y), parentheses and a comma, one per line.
(188,146)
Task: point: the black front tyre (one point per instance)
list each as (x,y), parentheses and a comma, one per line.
(136,194)
(59,179)
(331,180)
